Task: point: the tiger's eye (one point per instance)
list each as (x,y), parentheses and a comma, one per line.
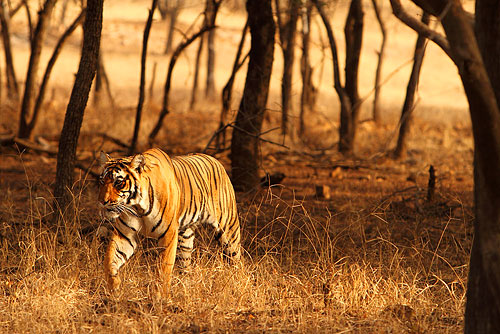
(119,184)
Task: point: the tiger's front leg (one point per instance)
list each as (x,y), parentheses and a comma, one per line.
(168,241)
(121,247)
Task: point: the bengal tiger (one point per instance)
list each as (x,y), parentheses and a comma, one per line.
(165,198)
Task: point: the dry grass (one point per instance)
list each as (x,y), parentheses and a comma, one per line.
(389,263)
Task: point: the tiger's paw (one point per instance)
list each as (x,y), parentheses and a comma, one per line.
(114,283)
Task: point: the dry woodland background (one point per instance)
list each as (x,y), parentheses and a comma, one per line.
(373,255)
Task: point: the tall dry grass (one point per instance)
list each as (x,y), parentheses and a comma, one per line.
(305,269)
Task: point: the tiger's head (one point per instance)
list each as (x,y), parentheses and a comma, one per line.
(119,184)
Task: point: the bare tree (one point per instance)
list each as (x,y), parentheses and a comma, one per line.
(173,8)
(50,65)
(349,98)
(287,25)
(10,74)
(194,90)
(142,83)
(482,314)
(308,94)
(102,84)
(28,17)
(409,104)
(76,106)
(227,92)
(380,62)
(353,39)
(245,140)
(210,14)
(212,10)
(34,61)
(168,81)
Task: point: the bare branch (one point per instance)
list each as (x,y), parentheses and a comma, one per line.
(420,28)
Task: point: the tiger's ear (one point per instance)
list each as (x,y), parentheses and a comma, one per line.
(137,162)
(103,158)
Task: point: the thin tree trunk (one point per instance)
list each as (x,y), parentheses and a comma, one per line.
(36,50)
(345,102)
(380,62)
(12,86)
(74,114)
(288,31)
(212,9)
(28,17)
(227,93)
(102,85)
(354,38)
(152,84)
(408,106)
(98,83)
(194,91)
(245,141)
(48,70)
(142,83)
(164,111)
(308,94)
(173,12)
(64,8)
(105,80)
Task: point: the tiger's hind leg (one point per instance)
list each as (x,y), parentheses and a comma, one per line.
(229,238)
(185,248)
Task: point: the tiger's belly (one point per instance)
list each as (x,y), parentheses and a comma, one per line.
(155,228)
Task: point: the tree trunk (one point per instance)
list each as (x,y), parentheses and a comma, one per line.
(482,314)
(209,19)
(74,113)
(36,50)
(487,29)
(64,9)
(227,93)
(173,12)
(354,38)
(12,87)
(347,119)
(380,62)
(194,90)
(408,106)
(168,82)
(288,31)
(212,9)
(142,83)
(28,17)
(245,140)
(98,83)
(48,70)
(308,94)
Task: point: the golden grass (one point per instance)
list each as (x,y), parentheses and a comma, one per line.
(305,270)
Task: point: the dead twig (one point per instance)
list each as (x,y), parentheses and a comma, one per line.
(232,125)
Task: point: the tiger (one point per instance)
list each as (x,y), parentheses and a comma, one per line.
(165,198)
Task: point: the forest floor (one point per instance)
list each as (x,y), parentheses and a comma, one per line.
(373,255)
